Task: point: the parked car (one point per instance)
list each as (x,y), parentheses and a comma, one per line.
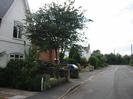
(74,70)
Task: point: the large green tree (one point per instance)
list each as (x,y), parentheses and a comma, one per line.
(55,26)
(75,53)
(97,59)
(117,59)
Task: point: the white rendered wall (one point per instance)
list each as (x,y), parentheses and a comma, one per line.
(7,42)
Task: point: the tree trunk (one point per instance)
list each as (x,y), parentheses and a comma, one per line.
(56,56)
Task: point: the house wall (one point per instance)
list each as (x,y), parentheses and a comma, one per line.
(49,56)
(7,42)
(44,56)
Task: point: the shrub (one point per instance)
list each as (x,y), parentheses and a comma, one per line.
(27,74)
(19,74)
(131,62)
(94,61)
(83,62)
(34,83)
(53,82)
(2,78)
(70,61)
(13,73)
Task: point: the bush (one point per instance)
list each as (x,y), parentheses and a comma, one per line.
(83,62)
(70,61)
(34,83)
(131,62)
(13,73)
(53,82)
(94,61)
(2,78)
(27,75)
(19,74)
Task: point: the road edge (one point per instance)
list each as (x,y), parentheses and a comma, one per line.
(70,90)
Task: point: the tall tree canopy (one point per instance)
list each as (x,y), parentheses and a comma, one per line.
(55,26)
(76,53)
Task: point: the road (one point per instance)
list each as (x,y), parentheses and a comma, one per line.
(115,82)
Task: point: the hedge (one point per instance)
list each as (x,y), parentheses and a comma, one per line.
(22,75)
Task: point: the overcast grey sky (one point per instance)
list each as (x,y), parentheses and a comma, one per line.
(112,27)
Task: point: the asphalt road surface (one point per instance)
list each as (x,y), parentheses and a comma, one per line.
(115,82)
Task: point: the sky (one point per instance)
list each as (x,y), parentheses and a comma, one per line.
(112,29)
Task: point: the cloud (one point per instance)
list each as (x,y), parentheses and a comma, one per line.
(130,7)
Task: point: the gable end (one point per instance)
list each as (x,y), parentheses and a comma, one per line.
(4,6)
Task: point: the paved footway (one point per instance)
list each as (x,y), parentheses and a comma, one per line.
(115,82)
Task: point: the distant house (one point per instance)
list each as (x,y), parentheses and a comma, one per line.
(86,52)
(12,42)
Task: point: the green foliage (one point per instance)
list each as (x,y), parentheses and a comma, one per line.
(126,59)
(112,59)
(2,77)
(94,61)
(75,56)
(27,74)
(75,50)
(33,83)
(83,62)
(75,53)
(52,82)
(131,62)
(22,75)
(10,72)
(30,56)
(55,26)
(117,59)
(70,60)
(19,74)
(97,59)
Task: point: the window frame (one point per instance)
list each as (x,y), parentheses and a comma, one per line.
(17,30)
(13,56)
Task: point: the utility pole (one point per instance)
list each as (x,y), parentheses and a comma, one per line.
(131,49)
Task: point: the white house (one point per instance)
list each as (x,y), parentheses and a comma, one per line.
(12,42)
(86,52)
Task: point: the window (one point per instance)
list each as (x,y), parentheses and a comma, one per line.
(17,30)
(16,56)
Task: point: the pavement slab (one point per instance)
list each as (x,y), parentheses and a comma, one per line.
(8,93)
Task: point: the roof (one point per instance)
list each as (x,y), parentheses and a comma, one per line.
(4,6)
(27,5)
